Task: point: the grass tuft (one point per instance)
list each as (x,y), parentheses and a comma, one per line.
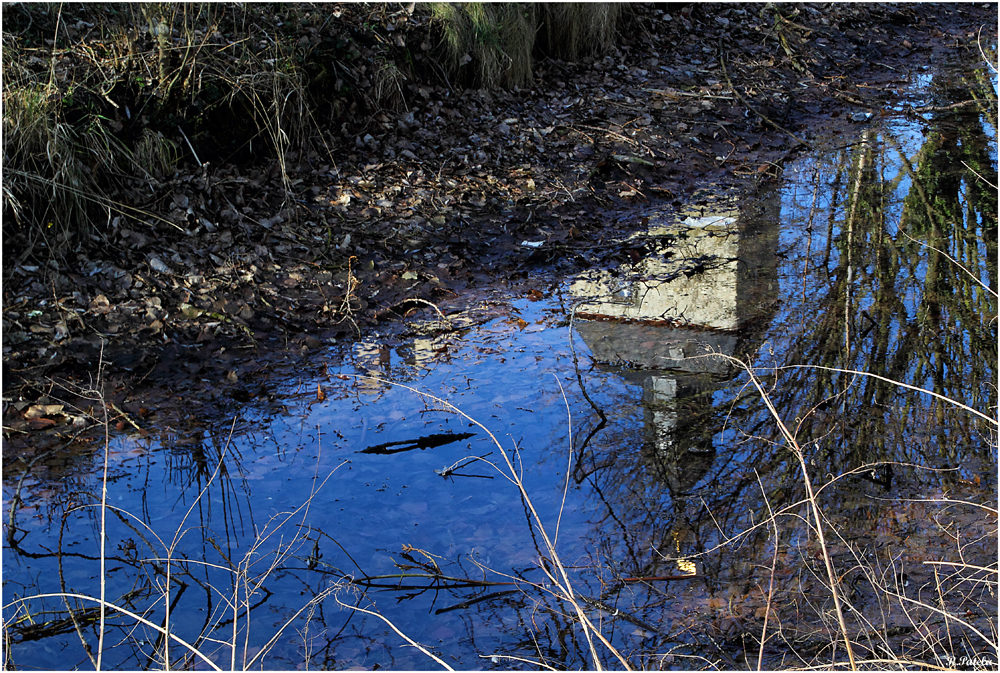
(46,183)
(570,30)
(493,44)
(487,44)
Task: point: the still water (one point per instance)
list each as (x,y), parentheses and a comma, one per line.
(623,403)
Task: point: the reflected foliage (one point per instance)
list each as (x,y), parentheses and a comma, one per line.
(889,251)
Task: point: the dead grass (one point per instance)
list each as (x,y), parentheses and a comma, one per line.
(869,613)
(575,29)
(46,186)
(494,44)
(72,152)
(102,104)
(898,608)
(869,600)
(487,44)
(277,541)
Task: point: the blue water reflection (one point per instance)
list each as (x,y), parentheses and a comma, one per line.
(622,404)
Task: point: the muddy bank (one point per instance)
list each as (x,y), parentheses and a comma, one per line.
(463,192)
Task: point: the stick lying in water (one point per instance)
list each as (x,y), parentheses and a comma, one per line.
(428,442)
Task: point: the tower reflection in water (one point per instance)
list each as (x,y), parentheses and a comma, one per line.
(706,286)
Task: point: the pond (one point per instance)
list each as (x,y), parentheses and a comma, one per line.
(607,436)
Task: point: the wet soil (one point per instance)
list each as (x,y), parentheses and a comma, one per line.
(429,209)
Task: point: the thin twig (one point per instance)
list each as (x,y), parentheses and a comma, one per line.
(770,586)
(400,633)
(982,52)
(191,147)
(563,584)
(814,506)
(953,260)
(976,173)
(939,396)
(569,460)
(127,613)
(104,503)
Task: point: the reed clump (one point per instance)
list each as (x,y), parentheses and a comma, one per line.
(495,44)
